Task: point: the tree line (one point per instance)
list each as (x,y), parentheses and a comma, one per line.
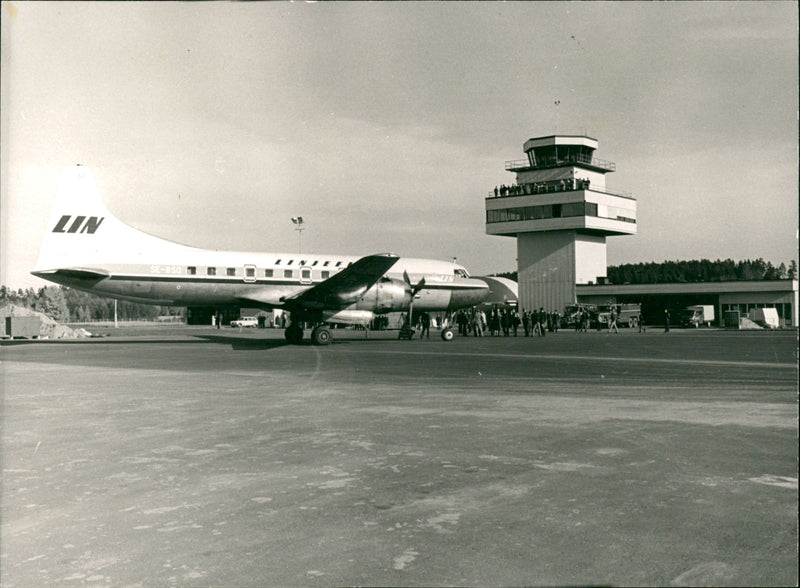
(702,270)
(694,270)
(69,305)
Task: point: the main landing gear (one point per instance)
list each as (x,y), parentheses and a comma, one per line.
(294,334)
(320,335)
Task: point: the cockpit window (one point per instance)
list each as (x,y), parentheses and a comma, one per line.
(461,273)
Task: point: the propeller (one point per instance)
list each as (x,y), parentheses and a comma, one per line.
(414,290)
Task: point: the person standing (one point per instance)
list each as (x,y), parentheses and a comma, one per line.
(425,321)
(494,322)
(666,320)
(526,323)
(640,318)
(612,320)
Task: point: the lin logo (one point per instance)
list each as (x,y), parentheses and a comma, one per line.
(80,224)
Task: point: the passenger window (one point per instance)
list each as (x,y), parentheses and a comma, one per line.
(325,274)
(231,271)
(288,273)
(250,271)
(191,270)
(211,271)
(267,273)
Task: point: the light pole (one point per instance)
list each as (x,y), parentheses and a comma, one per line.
(298,226)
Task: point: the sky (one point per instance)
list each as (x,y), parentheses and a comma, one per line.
(385,125)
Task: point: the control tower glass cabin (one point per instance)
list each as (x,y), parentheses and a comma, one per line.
(561,213)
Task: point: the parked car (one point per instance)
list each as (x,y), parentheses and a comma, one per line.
(245,321)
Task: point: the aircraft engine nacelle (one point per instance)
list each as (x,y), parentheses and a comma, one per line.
(387,295)
(348,317)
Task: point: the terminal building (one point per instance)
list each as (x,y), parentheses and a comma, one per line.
(561,213)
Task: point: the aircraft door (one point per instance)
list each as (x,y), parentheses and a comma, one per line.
(305,275)
(249,273)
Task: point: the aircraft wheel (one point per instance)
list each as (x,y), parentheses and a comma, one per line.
(633,323)
(294,335)
(321,336)
(448,334)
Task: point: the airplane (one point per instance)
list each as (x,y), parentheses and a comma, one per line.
(86,247)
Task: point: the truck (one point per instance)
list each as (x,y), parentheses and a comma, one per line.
(699,314)
(627,315)
(569,319)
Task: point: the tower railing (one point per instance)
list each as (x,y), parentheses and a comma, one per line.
(567,185)
(545,162)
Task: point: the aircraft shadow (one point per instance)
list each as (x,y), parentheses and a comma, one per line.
(239,344)
(236,343)
(94,341)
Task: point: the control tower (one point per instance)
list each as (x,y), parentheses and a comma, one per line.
(561,213)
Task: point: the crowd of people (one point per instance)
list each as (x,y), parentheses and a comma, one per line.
(506,321)
(540,187)
(478,323)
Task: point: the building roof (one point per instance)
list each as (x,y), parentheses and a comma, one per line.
(690,287)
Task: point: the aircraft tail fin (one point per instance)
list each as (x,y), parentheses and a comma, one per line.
(83,233)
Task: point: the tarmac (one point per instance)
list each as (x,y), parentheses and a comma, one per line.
(192,456)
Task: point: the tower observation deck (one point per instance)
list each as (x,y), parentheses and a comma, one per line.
(561,212)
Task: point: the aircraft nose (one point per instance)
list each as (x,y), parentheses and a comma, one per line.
(469,293)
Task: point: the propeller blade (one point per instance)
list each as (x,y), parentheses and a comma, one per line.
(414,289)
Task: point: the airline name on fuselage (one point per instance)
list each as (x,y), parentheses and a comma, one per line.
(80,224)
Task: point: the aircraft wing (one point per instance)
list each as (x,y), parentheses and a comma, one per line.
(343,288)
